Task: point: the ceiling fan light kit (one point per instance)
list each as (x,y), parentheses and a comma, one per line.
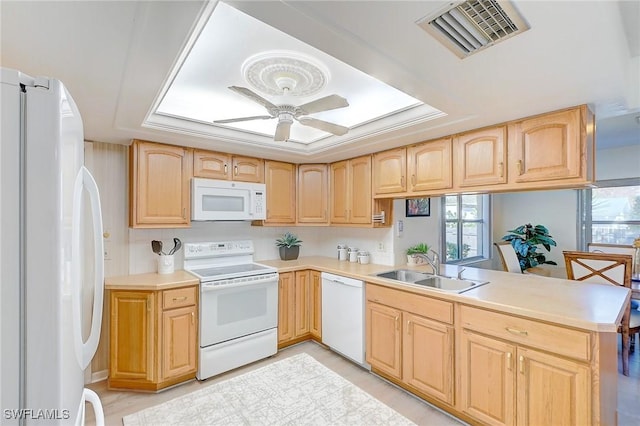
(288,76)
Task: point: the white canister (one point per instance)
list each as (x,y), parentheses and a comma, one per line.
(342,254)
(165,264)
(363,257)
(353,254)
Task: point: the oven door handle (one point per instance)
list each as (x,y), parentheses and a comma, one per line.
(205,287)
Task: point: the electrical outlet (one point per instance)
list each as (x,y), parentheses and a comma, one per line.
(380,245)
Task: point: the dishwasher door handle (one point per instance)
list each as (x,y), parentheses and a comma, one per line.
(359,285)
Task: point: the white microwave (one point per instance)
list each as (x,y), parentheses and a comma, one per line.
(213,199)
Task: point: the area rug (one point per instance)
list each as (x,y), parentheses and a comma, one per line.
(295,391)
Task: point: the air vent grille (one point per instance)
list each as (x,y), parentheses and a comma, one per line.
(474,25)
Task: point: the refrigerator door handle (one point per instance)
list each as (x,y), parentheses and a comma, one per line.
(86,350)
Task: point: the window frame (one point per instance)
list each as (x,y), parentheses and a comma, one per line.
(485,222)
(585,220)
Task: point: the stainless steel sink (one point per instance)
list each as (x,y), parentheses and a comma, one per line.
(450,284)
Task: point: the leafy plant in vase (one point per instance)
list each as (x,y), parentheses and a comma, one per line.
(525,240)
(413,250)
(289,246)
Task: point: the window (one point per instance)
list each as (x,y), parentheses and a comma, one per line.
(466,227)
(610,213)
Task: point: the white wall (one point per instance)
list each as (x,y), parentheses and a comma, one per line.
(618,163)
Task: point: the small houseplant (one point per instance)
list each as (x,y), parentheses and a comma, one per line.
(289,246)
(525,240)
(415,249)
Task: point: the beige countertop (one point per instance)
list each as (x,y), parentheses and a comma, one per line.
(151,281)
(594,307)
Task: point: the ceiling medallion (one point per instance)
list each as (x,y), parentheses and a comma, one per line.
(278,73)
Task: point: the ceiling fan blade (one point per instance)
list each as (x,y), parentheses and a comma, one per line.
(332,128)
(282,131)
(255,117)
(324,104)
(254,97)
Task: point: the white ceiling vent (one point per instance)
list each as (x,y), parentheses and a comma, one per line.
(468,27)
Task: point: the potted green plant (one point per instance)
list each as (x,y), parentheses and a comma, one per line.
(525,240)
(422,248)
(289,246)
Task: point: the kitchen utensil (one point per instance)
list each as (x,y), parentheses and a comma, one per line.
(177,244)
(156,246)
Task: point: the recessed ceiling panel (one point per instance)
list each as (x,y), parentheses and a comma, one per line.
(235,49)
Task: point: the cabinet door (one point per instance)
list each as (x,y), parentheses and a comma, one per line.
(302,299)
(552,390)
(429,165)
(132,335)
(339,192)
(480,157)
(360,190)
(159,192)
(546,148)
(179,343)
(212,165)
(384,339)
(286,306)
(427,356)
(315,326)
(487,379)
(389,171)
(280,179)
(312,193)
(247,169)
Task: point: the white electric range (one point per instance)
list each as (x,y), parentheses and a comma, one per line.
(238,305)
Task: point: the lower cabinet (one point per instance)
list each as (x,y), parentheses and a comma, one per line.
(299,310)
(503,382)
(153,341)
(409,338)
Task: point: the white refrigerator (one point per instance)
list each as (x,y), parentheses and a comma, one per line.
(50,238)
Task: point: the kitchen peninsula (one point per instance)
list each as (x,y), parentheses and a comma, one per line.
(536,349)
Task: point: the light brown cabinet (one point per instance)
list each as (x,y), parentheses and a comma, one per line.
(159,192)
(315,314)
(350,191)
(219,165)
(313,194)
(555,146)
(280,180)
(429,166)
(297,316)
(509,381)
(481,157)
(410,339)
(389,171)
(153,338)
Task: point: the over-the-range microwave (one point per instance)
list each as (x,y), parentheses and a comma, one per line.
(213,199)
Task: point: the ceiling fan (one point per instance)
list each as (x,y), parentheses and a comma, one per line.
(286,114)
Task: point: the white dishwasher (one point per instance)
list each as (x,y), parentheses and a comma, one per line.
(343,316)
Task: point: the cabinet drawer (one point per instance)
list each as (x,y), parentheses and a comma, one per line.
(427,307)
(179,297)
(559,340)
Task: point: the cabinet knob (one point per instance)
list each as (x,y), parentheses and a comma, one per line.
(509,360)
(521,361)
(519,166)
(235,170)
(225,169)
(501,168)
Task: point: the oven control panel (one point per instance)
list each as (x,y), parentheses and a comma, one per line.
(214,249)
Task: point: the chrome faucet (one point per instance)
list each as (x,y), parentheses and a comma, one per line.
(434,263)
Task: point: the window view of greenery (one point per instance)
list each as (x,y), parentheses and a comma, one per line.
(465,226)
(615,214)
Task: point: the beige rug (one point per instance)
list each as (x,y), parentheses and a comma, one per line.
(295,391)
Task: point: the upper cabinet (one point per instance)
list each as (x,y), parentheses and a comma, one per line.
(551,147)
(350,191)
(219,165)
(480,157)
(280,179)
(159,193)
(313,194)
(389,171)
(429,165)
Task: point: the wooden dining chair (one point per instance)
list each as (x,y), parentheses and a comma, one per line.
(508,257)
(610,248)
(608,268)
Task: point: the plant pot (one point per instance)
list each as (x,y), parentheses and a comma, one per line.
(289,253)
